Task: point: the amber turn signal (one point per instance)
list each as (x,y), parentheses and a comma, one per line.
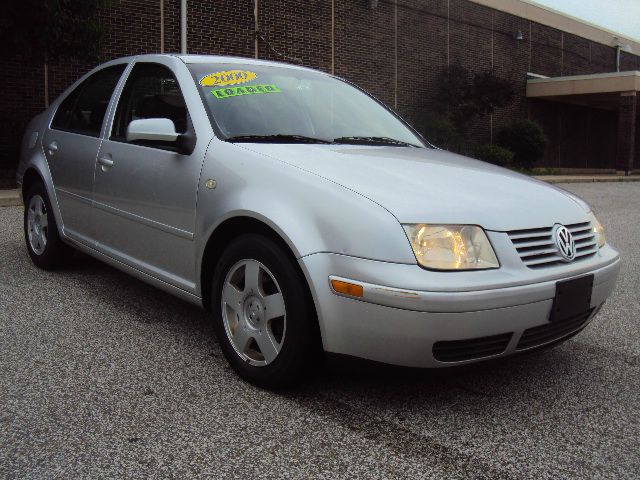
(345,288)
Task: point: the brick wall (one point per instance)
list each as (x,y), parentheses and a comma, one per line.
(576,54)
(365,47)
(430,35)
(222,27)
(511,60)
(305,35)
(422,53)
(22,98)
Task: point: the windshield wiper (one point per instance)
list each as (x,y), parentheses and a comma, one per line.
(373,141)
(280,138)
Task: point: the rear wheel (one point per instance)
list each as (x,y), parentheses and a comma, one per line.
(45,247)
(264,319)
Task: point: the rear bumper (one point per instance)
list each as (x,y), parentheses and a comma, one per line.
(421,327)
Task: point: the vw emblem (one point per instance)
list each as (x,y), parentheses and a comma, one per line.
(565,243)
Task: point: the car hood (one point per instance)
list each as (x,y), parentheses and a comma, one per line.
(423,185)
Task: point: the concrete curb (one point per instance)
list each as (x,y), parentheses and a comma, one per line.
(586,178)
(10,198)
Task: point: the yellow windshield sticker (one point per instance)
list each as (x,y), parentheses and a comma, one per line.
(220,93)
(228,77)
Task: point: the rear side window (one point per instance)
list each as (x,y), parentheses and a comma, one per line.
(151,91)
(84,109)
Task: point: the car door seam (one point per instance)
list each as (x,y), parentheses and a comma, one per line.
(145,221)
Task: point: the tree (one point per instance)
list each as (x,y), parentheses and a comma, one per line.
(439,130)
(50,30)
(453,95)
(525,139)
(462,97)
(490,92)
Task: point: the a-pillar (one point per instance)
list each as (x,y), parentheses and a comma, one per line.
(627,114)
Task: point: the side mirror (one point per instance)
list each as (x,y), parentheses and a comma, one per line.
(152,129)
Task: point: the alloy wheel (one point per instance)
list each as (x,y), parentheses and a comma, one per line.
(253,312)
(37,224)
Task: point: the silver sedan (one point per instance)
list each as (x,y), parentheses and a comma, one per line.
(305,216)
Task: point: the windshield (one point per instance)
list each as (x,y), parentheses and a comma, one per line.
(256,103)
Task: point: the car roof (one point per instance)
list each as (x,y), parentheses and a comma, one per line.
(195,59)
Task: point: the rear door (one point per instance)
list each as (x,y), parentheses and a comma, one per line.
(71,144)
(145,193)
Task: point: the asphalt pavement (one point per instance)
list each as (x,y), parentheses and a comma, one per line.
(103,376)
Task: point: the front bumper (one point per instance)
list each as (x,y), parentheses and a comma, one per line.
(406,311)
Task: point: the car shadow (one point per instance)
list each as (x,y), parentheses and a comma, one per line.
(527,375)
(435,414)
(486,379)
(125,291)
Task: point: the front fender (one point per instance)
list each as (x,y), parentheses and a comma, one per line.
(310,213)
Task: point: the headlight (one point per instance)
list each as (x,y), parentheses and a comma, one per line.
(451,247)
(598,230)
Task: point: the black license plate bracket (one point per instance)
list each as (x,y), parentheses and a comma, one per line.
(572,298)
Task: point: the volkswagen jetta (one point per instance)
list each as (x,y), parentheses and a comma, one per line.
(305,216)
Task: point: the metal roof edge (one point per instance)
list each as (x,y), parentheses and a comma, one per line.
(561,21)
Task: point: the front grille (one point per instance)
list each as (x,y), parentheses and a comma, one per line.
(459,350)
(552,331)
(537,248)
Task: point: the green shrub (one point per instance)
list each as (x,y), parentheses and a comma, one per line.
(494,154)
(440,131)
(525,139)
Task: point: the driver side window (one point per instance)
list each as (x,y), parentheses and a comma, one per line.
(151,91)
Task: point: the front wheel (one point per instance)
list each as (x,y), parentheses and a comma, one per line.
(45,247)
(264,318)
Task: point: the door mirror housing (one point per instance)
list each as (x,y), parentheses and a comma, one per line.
(152,130)
(161,133)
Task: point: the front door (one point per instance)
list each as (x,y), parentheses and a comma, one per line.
(71,144)
(145,193)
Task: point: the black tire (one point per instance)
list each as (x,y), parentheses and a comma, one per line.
(300,344)
(55,252)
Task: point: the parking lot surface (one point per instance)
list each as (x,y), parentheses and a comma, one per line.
(104,376)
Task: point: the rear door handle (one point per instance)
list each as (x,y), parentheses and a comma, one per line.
(106,162)
(52,148)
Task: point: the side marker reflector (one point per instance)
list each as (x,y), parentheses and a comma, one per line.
(349,289)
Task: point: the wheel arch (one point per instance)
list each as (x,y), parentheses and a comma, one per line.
(38,171)
(224,233)
(31,176)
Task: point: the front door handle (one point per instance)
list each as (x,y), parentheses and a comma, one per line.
(52,148)
(106,162)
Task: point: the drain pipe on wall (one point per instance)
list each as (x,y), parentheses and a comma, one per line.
(183,27)
(395,55)
(620,47)
(256,29)
(161,26)
(46,85)
(333,37)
